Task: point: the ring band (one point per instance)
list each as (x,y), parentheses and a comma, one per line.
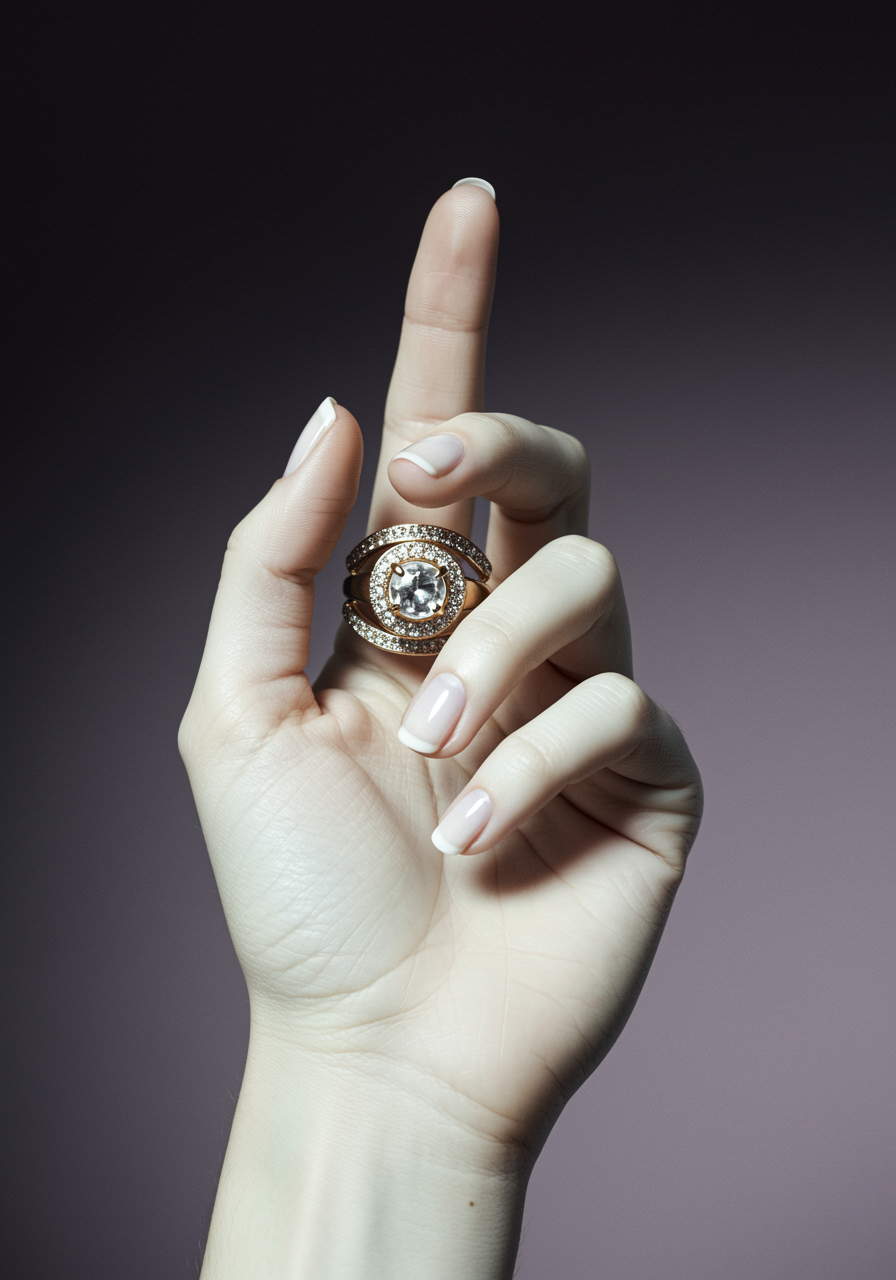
(407,590)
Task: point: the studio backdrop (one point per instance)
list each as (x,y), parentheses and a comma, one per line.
(212,213)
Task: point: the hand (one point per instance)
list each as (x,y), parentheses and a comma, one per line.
(419,1019)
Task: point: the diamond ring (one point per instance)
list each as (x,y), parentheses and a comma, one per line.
(407,590)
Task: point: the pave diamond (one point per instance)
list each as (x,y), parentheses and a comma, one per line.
(382,640)
(416,589)
(403,532)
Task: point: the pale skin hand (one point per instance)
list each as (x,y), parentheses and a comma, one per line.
(418,1020)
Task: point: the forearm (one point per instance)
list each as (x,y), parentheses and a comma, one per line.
(332,1172)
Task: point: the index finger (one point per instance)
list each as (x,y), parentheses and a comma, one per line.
(440,368)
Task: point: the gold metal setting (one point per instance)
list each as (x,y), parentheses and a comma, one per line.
(430,557)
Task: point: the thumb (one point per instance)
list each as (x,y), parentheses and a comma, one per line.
(258,638)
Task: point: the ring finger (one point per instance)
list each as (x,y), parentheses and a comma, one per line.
(568,590)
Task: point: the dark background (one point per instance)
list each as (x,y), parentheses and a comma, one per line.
(212,210)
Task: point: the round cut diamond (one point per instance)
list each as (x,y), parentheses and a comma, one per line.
(416,590)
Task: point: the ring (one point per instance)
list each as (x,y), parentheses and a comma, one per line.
(407,590)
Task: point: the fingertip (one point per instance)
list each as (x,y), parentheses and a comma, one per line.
(419,745)
(413,470)
(464,823)
(348,424)
(462,221)
(416,486)
(413,456)
(327,472)
(443,845)
(329,414)
(314,430)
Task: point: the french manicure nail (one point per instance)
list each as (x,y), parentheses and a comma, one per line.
(462,824)
(477,182)
(320,421)
(433,714)
(437,455)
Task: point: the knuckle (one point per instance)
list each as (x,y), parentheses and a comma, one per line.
(501,432)
(590,559)
(255,542)
(255,530)
(530,758)
(441,302)
(579,459)
(504,427)
(574,461)
(493,633)
(630,704)
(587,551)
(529,469)
(239,540)
(507,447)
(186,737)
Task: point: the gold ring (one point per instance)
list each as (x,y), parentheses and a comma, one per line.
(407,590)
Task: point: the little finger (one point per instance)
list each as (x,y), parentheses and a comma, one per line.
(607,722)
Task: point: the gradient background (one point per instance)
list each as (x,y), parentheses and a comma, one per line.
(213,211)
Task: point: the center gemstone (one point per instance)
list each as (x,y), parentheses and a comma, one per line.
(416,590)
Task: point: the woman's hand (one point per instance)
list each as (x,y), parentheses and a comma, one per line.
(419,1019)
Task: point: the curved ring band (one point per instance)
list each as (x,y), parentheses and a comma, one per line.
(407,590)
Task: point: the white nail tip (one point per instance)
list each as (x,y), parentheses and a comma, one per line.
(320,421)
(409,456)
(477,182)
(324,415)
(416,744)
(443,845)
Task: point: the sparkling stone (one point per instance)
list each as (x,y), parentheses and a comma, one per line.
(416,590)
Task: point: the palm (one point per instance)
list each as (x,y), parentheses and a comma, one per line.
(497,977)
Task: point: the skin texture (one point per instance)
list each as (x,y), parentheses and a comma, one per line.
(418,1021)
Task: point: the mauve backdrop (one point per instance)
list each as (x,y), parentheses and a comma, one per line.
(214,209)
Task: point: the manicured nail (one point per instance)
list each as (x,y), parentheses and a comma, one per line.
(477,182)
(462,824)
(320,421)
(433,714)
(437,455)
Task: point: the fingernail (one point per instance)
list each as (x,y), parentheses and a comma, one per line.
(477,182)
(462,824)
(433,714)
(437,455)
(323,417)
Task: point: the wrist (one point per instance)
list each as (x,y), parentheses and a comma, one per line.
(338,1167)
